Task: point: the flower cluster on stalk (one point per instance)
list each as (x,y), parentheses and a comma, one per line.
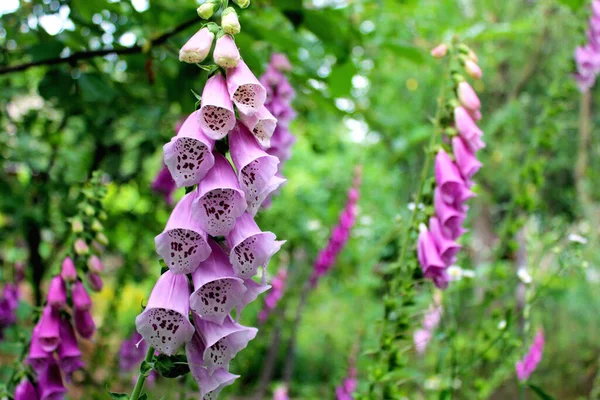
(54,352)
(455,165)
(9,300)
(587,57)
(341,233)
(529,363)
(211,241)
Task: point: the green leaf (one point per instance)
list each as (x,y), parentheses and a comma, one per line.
(95,89)
(573,4)
(171,366)
(56,84)
(340,79)
(540,392)
(45,50)
(143,396)
(118,396)
(407,51)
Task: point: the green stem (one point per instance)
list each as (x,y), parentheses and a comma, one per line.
(139,385)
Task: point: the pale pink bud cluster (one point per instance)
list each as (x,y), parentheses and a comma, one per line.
(340,234)
(587,57)
(437,245)
(529,363)
(423,335)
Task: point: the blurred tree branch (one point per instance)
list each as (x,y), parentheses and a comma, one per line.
(85,55)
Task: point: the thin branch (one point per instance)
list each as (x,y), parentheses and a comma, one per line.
(84,55)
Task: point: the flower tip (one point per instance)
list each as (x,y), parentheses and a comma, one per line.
(230,22)
(439,51)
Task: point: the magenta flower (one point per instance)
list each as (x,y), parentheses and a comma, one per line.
(183,243)
(248,94)
(188,155)
(447,248)
(69,355)
(467,163)
(132,351)
(48,326)
(38,358)
(346,390)
(84,323)
(26,391)
(468,130)
(281,393)
(529,363)
(222,342)
(95,281)
(217,117)
(220,199)
(9,301)
(256,169)
(210,384)
(164,184)
(271,300)
(449,182)
(196,49)
(81,298)
(450,218)
(226,53)
(262,124)
(216,288)
(250,247)
(164,324)
(68,270)
(50,382)
(57,293)
(467,96)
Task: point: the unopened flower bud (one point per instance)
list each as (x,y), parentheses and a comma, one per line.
(472,69)
(77,225)
(81,247)
(226,53)
(439,51)
(95,264)
(95,281)
(230,22)
(102,239)
(97,226)
(242,3)
(68,270)
(197,48)
(207,10)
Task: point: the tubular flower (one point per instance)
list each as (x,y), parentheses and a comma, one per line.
(84,323)
(183,243)
(188,155)
(69,355)
(48,326)
(246,92)
(50,383)
(587,57)
(226,53)
(197,47)
(340,234)
(529,363)
(68,270)
(57,293)
(437,247)
(217,117)
(271,300)
(25,391)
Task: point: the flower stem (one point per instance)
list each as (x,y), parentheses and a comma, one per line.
(139,385)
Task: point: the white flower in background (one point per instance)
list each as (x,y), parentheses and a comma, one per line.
(502,324)
(524,276)
(455,273)
(432,383)
(573,237)
(468,273)
(313,225)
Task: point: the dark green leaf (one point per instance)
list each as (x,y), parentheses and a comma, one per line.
(171,366)
(118,396)
(540,392)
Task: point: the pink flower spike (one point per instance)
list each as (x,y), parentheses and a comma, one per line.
(48,329)
(38,358)
(222,342)
(183,243)
(57,293)
(250,247)
(262,124)
(164,324)
(217,117)
(226,53)
(245,90)
(427,253)
(216,288)
(68,270)
(81,298)
(467,96)
(84,324)
(257,170)
(450,218)
(69,355)
(197,47)
(467,163)
(448,180)
(188,156)
(447,248)
(220,199)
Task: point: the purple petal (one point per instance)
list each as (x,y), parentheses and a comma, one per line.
(216,111)
(245,90)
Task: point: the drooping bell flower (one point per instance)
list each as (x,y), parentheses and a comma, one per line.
(446,247)
(247,93)
(210,384)
(271,300)
(468,130)
(164,184)
(262,124)
(256,169)
(467,163)
(48,334)
(188,155)
(95,281)
(164,324)
(529,363)
(26,391)
(196,49)
(50,383)
(182,244)
(132,351)
(472,69)
(467,96)
(226,53)
(250,247)
(432,264)
(216,288)
(69,355)
(38,358)
(216,116)
(450,218)
(450,183)
(81,298)
(84,323)
(68,270)
(222,342)
(220,199)
(57,293)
